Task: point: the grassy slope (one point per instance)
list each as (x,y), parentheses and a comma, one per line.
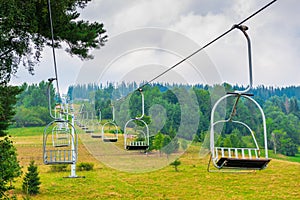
(279,181)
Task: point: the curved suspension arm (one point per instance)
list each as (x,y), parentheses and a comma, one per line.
(243,124)
(244,29)
(143,105)
(100,119)
(113,112)
(49,97)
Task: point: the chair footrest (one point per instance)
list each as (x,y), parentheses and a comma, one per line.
(89,131)
(132,147)
(109,140)
(96,136)
(59,162)
(242,163)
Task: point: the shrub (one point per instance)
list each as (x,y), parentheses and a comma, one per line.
(85,166)
(59,168)
(175,163)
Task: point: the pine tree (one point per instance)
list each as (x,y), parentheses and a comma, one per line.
(31,182)
(9,166)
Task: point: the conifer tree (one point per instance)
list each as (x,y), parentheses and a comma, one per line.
(31,182)
(9,166)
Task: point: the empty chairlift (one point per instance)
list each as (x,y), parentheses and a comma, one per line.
(136,132)
(238,158)
(59,152)
(60,140)
(84,120)
(110,129)
(90,123)
(97,127)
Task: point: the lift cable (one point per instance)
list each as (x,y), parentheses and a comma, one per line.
(208,44)
(53,48)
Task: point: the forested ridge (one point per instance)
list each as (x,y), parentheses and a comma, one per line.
(167,107)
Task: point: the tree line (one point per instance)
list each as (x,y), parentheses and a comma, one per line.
(32,107)
(174,109)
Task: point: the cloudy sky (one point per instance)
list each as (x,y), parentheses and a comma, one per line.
(152,35)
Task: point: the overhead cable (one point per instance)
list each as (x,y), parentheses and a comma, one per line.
(208,44)
(53,48)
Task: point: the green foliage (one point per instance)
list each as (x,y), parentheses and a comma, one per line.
(184,144)
(282,111)
(158,141)
(170,145)
(9,165)
(282,120)
(8,100)
(176,163)
(31,181)
(284,144)
(25,31)
(59,168)
(32,106)
(233,140)
(36,95)
(84,166)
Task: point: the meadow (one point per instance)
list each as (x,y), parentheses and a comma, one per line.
(279,181)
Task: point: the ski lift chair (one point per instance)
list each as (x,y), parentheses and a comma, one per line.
(59,153)
(110,129)
(90,124)
(234,158)
(136,132)
(136,137)
(97,128)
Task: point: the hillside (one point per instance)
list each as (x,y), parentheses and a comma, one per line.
(279,181)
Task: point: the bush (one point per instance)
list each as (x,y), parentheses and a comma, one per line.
(59,168)
(85,166)
(112,131)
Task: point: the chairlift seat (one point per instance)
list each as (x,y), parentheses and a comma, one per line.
(134,147)
(89,131)
(242,163)
(61,145)
(110,139)
(58,162)
(96,136)
(62,138)
(59,157)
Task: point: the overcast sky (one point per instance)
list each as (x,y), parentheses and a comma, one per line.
(275,36)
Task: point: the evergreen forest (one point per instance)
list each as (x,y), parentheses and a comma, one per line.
(177,110)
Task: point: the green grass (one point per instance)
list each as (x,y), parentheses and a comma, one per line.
(295,158)
(279,181)
(26,131)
